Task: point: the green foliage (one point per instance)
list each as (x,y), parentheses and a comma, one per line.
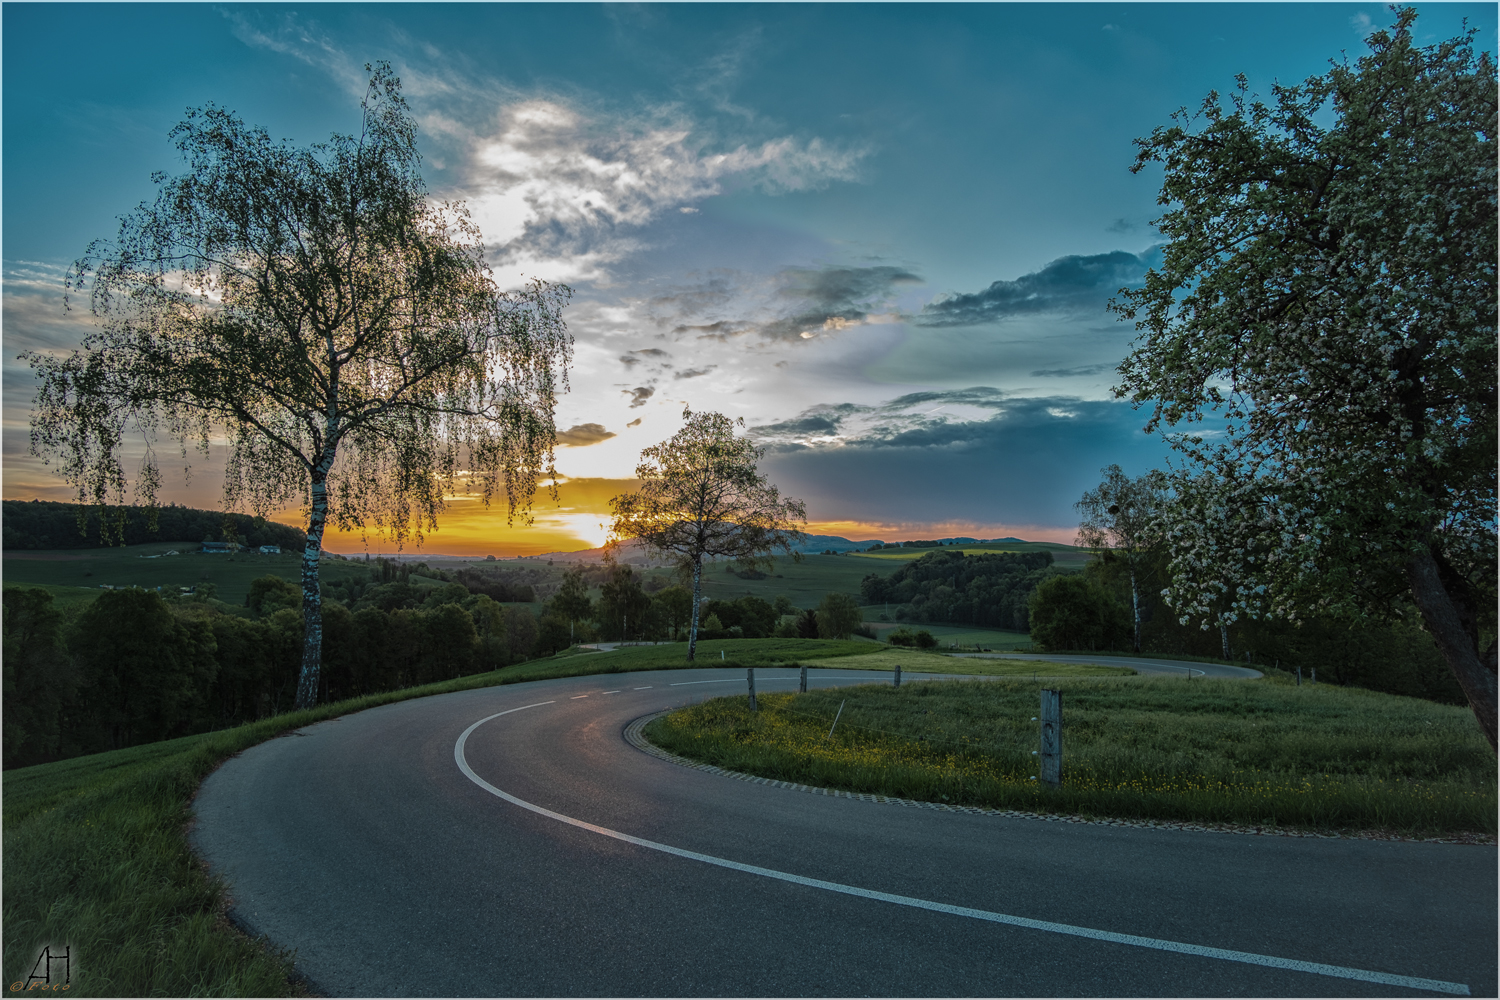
(1233,751)
(269,594)
(1328,292)
(40,678)
(948,586)
(623,606)
(136,668)
(1077,611)
(837,615)
(920,639)
(42,524)
(571,603)
(701,498)
(316,309)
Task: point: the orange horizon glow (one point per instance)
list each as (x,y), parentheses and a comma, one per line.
(577,520)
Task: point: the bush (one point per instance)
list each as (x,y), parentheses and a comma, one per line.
(837,616)
(1077,612)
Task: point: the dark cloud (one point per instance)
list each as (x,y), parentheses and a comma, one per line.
(652,352)
(800,304)
(583,435)
(1071,372)
(721,330)
(819,421)
(1068,284)
(639,395)
(634,423)
(831,298)
(1027,465)
(1120,226)
(694,372)
(626,359)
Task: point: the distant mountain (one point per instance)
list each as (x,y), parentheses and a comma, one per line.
(634,553)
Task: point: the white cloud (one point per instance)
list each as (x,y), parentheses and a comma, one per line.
(550,184)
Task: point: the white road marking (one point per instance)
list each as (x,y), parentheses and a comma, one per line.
(577,696)
(646,688)
(1158,944)
(615,691)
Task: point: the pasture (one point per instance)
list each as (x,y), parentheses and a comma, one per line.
(1247,752)
(70,572)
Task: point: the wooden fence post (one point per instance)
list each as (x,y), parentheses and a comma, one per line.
(750,677)
(898,675)
(803,687)
(1052,745)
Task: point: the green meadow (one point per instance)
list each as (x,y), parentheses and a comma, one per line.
(1065,556)
(74,574)
(1261,753)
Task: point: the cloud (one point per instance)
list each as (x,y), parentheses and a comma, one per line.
(793,305)
(583,435)
(1068,284)
(634,423)
(639,395)
(551,179)
(1121,225)
(694,372)
(858,424)
(1082,371)
(1024,461)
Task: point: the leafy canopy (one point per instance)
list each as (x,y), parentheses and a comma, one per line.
(1327,298)
(701,497)
(306,305)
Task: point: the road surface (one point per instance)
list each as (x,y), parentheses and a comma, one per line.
(508,841)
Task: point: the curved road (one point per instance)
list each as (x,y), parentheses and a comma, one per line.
(508,842)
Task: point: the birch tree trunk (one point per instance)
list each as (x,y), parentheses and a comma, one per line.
(697,593)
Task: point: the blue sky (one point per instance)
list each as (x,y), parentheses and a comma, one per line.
(883,235)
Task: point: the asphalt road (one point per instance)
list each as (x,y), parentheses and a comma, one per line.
(568,863)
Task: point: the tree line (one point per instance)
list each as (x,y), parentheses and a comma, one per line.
(42,524)
(135,667)
(948,587)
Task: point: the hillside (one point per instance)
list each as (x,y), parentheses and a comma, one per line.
(45,525)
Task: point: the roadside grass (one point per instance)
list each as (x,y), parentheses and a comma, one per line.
(915,662)
(96,854)
(1245,752)
(728,653)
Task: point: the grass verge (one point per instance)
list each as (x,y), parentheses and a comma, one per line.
(1245,752)
(96,856)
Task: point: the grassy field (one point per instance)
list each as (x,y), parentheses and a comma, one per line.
(95,853)
(962,635)
(849,655)
(1066,556)
(1251,752)
(67,572)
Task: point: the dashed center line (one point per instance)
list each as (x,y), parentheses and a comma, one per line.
(646,688)
(615,691)
(577,696)
(1071,930)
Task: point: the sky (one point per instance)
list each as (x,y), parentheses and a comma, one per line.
(883,235)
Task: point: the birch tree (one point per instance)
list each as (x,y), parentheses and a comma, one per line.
(1123,516)
(1327,297)
(314,309)
(701,498)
